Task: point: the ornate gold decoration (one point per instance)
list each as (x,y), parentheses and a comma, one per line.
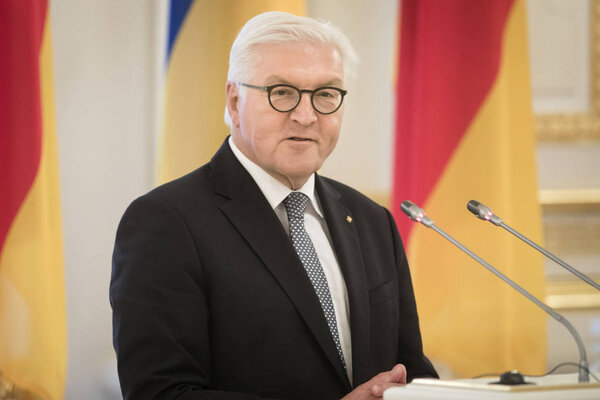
(572,226)
(579,126)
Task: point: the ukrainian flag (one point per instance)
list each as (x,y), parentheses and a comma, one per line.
(200,35)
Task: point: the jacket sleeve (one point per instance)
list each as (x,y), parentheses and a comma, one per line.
(160,311)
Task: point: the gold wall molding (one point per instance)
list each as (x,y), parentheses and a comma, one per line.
(576,234)
(549,197)
(572,226)
(569,200)
(578,126)
(572,295)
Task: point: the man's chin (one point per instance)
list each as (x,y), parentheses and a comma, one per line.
(295,178)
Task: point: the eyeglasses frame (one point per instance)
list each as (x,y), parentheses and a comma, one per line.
(312,92)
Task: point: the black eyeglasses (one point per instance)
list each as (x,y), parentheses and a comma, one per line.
(284,98)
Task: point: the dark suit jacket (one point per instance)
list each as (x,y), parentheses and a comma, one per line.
(211,301)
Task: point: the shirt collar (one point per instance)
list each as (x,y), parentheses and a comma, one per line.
(274,191)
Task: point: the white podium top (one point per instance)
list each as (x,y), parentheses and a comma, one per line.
(552,387)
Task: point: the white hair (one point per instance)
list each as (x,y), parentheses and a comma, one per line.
(280,27)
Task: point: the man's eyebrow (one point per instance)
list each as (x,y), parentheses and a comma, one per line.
(274,79)
(334,82)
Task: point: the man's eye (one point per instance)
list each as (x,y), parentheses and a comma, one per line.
(326,93)
(282,92)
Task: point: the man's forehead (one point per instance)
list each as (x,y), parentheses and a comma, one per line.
(275,79)
(299,63)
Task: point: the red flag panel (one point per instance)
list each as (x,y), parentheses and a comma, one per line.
(21,30)
(449,57)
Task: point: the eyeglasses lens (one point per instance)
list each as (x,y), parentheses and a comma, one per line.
(327,100)
(284,98)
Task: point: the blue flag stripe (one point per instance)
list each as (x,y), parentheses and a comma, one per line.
(177,11)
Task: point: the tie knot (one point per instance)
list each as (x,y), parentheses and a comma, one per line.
(295,204)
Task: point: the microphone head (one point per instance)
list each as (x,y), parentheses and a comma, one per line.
(415,213)
(480,211)
(412,210)
(483,212)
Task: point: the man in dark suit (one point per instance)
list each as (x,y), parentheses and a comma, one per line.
(254,277)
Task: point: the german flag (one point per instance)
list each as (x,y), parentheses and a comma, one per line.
(33,342)
(465,131)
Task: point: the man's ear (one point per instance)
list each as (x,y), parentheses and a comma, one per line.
(233,103)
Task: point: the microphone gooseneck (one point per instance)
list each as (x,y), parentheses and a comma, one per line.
(486,214)
(417,214)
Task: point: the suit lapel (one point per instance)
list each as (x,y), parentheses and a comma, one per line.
(251,214)
(342,228)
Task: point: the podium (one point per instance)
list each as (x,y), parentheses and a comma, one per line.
(552,387)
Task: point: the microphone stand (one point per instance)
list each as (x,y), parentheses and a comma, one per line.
(417,214)
(486,214)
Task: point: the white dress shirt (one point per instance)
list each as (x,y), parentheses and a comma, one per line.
(316,226)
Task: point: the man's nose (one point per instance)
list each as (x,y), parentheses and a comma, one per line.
(304,113)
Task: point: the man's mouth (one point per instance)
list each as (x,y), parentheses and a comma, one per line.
(299,139)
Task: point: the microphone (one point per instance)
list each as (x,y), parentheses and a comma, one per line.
(417,214)
(484,213)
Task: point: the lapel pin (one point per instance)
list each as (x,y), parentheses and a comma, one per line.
(349,219)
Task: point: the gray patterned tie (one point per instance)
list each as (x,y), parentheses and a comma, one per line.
(295,205)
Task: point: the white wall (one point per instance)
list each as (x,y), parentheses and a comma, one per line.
(363,156)
(103,66)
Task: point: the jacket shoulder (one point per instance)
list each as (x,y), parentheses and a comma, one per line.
(351,196)
(184,185)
